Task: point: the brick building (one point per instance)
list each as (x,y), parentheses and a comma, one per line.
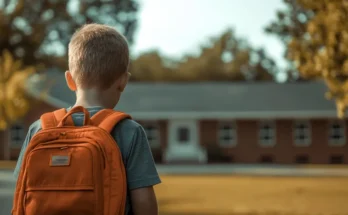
(214,122)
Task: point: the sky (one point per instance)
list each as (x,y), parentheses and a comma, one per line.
(178,27)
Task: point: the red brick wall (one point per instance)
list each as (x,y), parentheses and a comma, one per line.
(320,149)
(284,151)
(163,127)
(208,132)
(4,151)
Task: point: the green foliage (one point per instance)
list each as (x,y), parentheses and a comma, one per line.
(39,31)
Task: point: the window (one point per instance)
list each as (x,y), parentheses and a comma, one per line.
(337,133)
(227,134)
(302,159)
(337,159)
(302,133)
(183,134)
(266,159)
(17,135)
(267,133)
(152,134)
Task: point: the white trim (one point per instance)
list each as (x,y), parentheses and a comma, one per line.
(307,133)
(273,134)
(342,142)
(231,132)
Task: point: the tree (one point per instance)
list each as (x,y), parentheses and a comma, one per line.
(14,102)
(323,51)
(39,31)
(229,58)
(36,33)
(151,66)
(290,23)
(224,58)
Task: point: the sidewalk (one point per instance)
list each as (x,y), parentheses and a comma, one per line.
(6,168)
(255,170)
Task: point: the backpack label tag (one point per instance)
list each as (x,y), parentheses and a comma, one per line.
(60,160)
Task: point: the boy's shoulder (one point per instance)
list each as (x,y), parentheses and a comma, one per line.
(128,126)
(125,126)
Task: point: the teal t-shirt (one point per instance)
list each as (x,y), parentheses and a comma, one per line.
(132,141)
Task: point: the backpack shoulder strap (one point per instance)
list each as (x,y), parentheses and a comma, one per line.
(108,118)
(52,119)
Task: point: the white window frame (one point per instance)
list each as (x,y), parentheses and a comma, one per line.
(154,134)
(232,132)
(306,132)
(17,132)
(342,130)
(271,142)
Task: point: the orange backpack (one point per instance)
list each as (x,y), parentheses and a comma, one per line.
(70,170)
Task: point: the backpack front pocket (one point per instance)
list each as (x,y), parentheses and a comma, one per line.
(59,201)
(62,179)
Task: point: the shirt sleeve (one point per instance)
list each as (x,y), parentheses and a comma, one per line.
(33,129)
(140,167)
(21,155)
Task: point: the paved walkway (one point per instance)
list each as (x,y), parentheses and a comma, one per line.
(256,170)
(7,184)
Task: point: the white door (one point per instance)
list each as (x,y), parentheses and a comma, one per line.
(183,140)
(183,133)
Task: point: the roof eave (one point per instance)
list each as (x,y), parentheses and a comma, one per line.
(191,114)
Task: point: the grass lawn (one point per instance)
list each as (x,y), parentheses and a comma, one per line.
(237,195)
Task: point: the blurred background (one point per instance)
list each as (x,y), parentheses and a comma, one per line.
(243,102)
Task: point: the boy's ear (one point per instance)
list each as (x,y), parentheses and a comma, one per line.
(70,81)
(124,81)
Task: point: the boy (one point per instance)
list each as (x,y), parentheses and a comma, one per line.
(98,64)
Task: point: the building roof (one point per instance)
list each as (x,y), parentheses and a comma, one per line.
(203,100)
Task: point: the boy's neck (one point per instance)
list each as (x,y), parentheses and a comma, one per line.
(87,103)
(91,98)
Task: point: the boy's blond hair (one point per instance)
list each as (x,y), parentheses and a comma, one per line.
(98,55)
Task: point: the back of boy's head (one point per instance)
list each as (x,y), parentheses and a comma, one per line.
(98,56)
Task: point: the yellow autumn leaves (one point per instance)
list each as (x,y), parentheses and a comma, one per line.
(14,102)
(322,53)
